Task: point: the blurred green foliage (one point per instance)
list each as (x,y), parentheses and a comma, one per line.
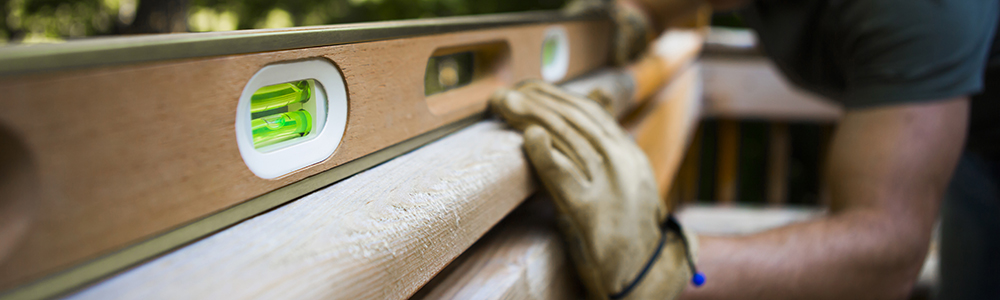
(34,21)
(53,20)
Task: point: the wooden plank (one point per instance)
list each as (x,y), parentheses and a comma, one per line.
(523,257)
(687,180)
(124,153)
(665,131)
(750,87)
(778,155)
(669,55)
(727,166)
(380,234)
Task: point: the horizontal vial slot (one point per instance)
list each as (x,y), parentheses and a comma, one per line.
(450,71)
(459,76)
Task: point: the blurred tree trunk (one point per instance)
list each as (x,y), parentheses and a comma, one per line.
(159,16)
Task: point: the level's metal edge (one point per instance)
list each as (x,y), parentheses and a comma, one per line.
(68,281)
(109,51)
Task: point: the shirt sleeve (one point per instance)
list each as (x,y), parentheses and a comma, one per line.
(900,51)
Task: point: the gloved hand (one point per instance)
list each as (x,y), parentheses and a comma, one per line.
(603,186)
(632,30)
(636,22)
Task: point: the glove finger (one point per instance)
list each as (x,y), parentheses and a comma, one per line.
(585,111)
(514,109)
(596,135)
(521,112)
(514,114)
(557,172)
(590,108)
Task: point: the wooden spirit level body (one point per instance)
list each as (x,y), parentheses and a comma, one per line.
(120,153)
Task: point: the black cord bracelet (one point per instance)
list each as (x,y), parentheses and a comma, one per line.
(670,224)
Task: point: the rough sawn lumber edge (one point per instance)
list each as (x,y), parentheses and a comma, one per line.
(523,257)
(380,234)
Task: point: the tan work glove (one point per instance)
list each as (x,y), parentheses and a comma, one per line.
(632,30)
(635,22)
(604,188)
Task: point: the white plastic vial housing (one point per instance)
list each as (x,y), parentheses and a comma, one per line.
(555,54)
(291,115)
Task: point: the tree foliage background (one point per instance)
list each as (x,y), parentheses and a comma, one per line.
(35,21)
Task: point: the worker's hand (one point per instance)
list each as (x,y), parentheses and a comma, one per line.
(605,191)
(636,22)
(632,29)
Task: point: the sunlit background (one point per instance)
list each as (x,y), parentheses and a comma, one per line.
(41,21)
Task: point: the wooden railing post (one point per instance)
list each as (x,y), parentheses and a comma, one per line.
(777,164)
(728,161)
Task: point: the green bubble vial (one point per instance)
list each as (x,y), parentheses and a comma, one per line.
(549,47)
(279,95)
(280,127)
(278,113)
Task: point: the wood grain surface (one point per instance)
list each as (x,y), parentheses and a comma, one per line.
(123,153)
(523,257)
(668,55)
(666,127)
(380,234)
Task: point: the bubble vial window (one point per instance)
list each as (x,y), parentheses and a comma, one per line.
(448,72)
(555,54)
(549,48)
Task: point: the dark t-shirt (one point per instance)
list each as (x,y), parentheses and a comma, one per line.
(868,53)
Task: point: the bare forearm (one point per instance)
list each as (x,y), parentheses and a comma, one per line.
(888,170)
(842,256)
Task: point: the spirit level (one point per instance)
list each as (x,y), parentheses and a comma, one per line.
(214,128)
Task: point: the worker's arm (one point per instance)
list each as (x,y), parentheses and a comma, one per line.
(658,12)
(887,171)
(637,22)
